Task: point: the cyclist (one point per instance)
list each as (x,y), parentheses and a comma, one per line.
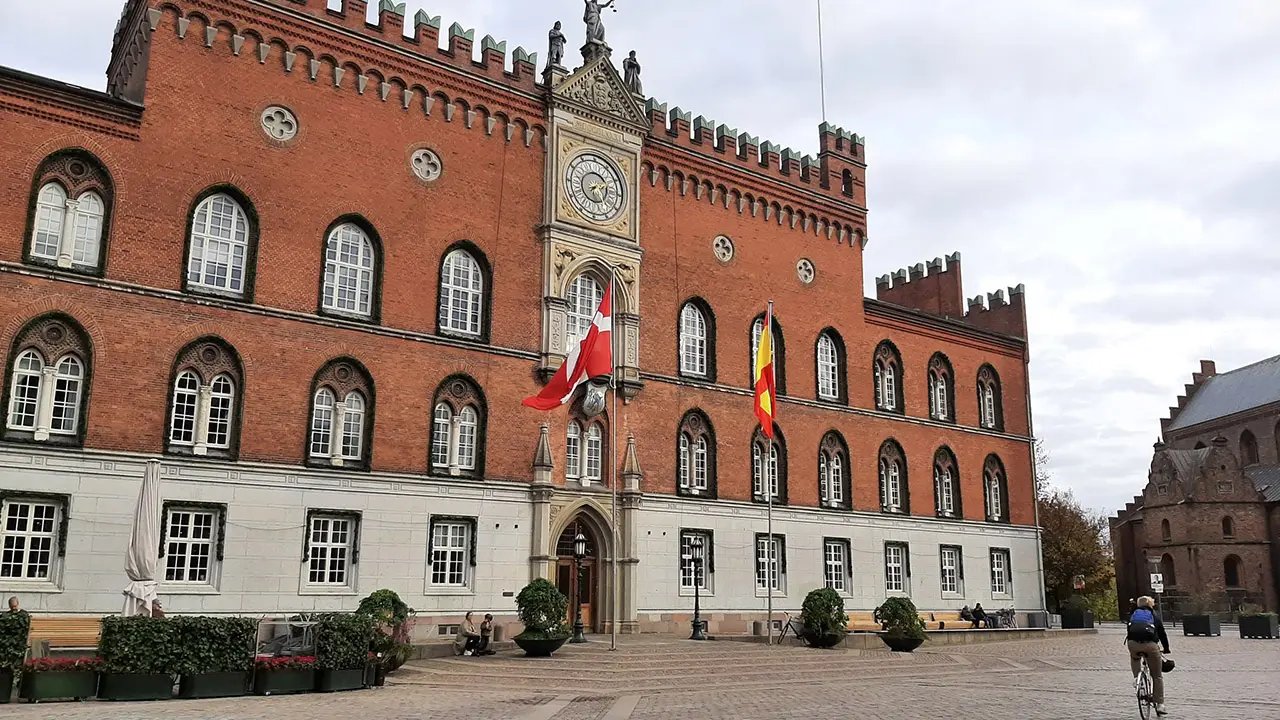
(1146,638)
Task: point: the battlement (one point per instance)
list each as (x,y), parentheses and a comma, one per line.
(998,315)
(1207,370)
(838,170)
(932,287)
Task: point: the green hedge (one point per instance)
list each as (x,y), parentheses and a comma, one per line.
(901,619)
(543,610)
(823,613)
(142,645)
(14,627)
(214,644)
(342,641)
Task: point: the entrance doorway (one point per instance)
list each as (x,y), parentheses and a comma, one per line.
(581,585)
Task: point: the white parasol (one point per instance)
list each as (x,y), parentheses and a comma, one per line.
(143,556)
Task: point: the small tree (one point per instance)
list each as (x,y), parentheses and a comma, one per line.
(900,619)
(543,610)
(825,622)
(392,619)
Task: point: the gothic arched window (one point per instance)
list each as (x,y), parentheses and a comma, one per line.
(941,388)
(458,428)
(895,494)
(72,199)
(584,297)
(887,370)
(464,292)
(990,408)
(996,489)
(204,410)
(768,467)
(341,416)
(696,456)
(830,362)
(47,391)
(697,340)
(946,484)
(834,474)
(351,270)
(221,244)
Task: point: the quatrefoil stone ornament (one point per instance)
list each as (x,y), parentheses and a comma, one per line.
(805,271)
(279,124)
(426,165)
(723,248)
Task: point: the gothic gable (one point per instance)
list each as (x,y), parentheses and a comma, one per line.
(597,88)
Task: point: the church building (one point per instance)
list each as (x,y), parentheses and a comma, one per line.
(311,264)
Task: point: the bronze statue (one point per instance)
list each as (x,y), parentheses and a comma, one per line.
(556,53)
(631,67)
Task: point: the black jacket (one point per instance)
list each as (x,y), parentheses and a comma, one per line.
(1160,633)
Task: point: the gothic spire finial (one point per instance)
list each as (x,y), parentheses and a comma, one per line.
(542,457)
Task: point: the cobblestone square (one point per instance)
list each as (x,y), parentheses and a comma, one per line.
(1223,678)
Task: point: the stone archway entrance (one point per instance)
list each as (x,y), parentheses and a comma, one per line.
(584,584)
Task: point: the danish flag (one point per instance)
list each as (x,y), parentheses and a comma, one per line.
(593,357)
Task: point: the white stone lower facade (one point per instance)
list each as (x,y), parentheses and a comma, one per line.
(268,540)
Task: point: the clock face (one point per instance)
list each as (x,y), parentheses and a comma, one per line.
(594,187)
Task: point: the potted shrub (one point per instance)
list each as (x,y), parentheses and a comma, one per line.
(1202,620)
(217,655)
(1076,614)
(59,678)
(543,610)
(823,618)
(139,658)
(284,675)
(1256,622)
(903,628)
(392,620)
(342,651)
(13,648)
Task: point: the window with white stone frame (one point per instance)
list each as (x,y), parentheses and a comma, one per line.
(688,577)
(71,199)
(897,568)
(203,409)
(837,565)
(946,485)
(219,248)
(1001,575)
(833,472)
(452,558)
(940,388)
(695,456)
(887,370)
(990,412)
(584,297)
(830,366)
(341,415)
(191,545)
(693,341)
(996,489)
(584,449)
(951,570)
(461,294)
(47,384)
(331,551)
(771,564)
(768,468)
(895,496)
(32,539)
(457,429)
(350,272)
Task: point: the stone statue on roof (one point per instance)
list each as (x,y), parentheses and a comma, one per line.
(631,67)
(591,16)
(556,53)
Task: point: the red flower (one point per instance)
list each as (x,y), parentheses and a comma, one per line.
(285,663)
(81,664)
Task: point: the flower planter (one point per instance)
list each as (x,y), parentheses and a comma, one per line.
(135,686)
(37,686)
(213,685)
(6,685)
(1208,625)
(283,682)
(339,680)
(539,647)
(1259,626)
(901,644)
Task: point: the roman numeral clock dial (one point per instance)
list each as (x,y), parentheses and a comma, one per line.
(595,187)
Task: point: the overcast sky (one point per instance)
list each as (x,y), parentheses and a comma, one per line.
(1116,156)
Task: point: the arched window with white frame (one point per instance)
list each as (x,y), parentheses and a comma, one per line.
(219,248)
(341,415)
(830,366)
(695,456)
(693,341)
(458,428)
(46,388)
(779,353)
(71,200)
(204,405)
(996,488)
(990,410)
(946,485)
(834,488)
(462,292)
(895,495)
(768,468)
(940,388)
(583,298)
(350,272)
(887,371)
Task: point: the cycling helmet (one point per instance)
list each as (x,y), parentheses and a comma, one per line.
(1166,665)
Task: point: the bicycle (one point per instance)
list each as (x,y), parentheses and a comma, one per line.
(1146,695)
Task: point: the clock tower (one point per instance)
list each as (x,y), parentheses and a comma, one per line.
(591,228)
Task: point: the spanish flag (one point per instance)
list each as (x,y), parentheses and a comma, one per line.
(766,394)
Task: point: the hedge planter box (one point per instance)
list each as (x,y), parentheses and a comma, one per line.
(339,680)
(1208,625)
(134,686)
(901,644)
(1080,620)
(37,686)
(6,685)
(1260,626)
(375,675)
(283,682)
(214,685)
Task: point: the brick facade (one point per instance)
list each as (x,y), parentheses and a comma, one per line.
(189,87)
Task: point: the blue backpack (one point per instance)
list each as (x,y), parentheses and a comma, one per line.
(1142,626)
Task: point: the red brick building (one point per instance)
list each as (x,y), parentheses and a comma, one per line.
(314,264)
(1208,519)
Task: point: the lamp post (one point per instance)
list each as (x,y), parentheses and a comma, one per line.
(579,552)
(695,546)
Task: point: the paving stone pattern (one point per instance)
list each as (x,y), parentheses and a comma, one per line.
(1076,678)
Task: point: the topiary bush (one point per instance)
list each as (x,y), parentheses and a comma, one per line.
(392,620)
(140,645)
(14,627)
(544,611)
(900,619)
(342,641)
(215,644)
(824,620)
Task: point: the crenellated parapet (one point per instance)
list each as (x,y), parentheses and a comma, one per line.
(932,287)
(839,170)
(998,314)
(1208,369)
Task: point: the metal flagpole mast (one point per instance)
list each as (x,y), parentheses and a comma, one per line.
(822,70)
(766,483)
(613,464)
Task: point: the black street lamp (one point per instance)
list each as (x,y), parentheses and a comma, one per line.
(695,546)
(579,552)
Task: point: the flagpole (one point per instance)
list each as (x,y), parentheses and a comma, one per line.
(613,469)
(768,489)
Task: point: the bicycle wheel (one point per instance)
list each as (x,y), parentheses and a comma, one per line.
(1144,694)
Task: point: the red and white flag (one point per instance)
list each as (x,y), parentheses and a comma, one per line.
(593,357)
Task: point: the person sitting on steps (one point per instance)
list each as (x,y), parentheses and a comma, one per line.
(486,633)
(468,638)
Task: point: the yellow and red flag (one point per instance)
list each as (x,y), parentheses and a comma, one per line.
(766,394)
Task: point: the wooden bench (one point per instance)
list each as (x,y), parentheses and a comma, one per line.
(862,622)
(939,620)
(64,632)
